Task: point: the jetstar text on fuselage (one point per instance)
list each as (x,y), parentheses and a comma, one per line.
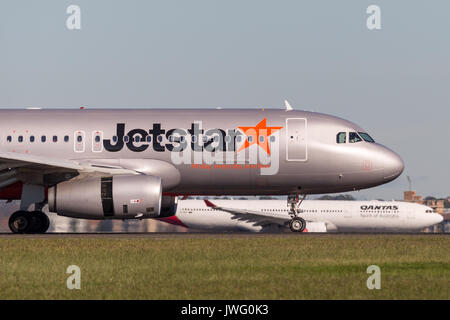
(211,140)
(200,146)
(139,140)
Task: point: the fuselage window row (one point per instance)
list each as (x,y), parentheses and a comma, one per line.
(21,139)
(182,139)
(138,138)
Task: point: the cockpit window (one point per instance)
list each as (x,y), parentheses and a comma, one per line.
(341,137)
(353,137)
(366,137)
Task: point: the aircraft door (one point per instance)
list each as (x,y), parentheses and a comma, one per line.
(347,212)
(79,140)
(410,218)
(296,139)
(97,141)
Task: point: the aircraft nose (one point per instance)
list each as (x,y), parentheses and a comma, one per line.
(393,165)
(436,218)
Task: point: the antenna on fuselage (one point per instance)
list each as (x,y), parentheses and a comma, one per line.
(288,106)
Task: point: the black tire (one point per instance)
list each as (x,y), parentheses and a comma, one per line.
(45,223)
(40,222)
(20,222)
(297,224)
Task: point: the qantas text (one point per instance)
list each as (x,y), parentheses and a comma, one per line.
(379,207)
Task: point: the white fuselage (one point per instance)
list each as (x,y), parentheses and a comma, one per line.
(321,215)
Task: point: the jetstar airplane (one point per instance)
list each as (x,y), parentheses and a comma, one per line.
(320,216)
(131,163)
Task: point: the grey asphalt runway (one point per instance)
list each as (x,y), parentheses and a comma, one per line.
(178,235)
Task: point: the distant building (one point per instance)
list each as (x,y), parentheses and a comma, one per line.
(411,196)
(435,204)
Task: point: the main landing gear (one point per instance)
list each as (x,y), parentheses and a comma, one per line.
(36,221)
(296,224)
(28,222)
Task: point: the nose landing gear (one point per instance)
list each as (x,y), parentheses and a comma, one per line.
(296,224)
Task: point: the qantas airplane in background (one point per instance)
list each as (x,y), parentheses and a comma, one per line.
(132,163)
(320,215)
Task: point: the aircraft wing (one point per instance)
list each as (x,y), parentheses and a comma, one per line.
(21,160)
(258,218)
(28,163)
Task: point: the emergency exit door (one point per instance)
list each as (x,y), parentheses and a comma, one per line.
(79,141)
(296,139)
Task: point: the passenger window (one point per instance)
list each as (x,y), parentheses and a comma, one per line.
(9,139)
(341,137)
(43,138)
(114,138)
(66,138)
(261,138)
(79,138)
(97,139)
(20,138)
(149,138)
(272,138)
(55,138)
(353,137)
(126,139)
(31,138)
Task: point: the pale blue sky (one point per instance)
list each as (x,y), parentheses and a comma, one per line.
(395,82)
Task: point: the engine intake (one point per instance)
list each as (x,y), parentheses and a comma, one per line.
(117,197)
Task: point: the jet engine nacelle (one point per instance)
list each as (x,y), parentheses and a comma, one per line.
(117,197)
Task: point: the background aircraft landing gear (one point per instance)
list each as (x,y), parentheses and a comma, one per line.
(28,222)
(297,224)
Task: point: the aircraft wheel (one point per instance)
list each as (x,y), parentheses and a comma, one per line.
(297,224)
(20,222)
(40,222)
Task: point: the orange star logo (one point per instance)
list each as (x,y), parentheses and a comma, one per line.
(258,135)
